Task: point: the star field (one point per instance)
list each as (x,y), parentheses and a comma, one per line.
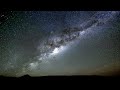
(58,42)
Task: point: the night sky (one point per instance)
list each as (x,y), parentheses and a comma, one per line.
(41,43)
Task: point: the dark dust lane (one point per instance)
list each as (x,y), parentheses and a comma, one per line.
(58,43)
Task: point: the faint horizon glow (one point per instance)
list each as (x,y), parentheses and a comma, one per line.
(33,65)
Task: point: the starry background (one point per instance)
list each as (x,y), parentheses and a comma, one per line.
(21,32)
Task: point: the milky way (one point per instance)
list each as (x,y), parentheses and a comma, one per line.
(58,43)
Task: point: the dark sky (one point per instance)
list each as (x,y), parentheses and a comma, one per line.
(22,34)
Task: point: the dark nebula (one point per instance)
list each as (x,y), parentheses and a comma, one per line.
(40,43)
